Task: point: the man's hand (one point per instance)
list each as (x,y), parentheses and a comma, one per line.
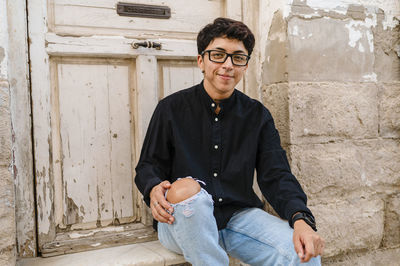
(307,243)
(159,205)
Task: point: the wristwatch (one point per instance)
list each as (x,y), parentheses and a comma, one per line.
(309,219)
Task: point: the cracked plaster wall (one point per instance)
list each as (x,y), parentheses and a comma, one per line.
(331,78)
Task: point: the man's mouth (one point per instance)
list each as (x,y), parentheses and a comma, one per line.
(225,76)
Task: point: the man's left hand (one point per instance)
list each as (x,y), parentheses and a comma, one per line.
(307,243)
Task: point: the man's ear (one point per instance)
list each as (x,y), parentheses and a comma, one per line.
(200,63)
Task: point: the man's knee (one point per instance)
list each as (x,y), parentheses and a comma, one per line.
(182,189)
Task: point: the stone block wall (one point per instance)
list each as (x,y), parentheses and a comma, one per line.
(7,205)
(7,220)
(331,78)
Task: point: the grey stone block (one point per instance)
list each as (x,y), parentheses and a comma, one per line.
(389,110)
(5,125)
(392,222)
(323,112)
(275,98)
(333,170)
(381,257)
(349,225)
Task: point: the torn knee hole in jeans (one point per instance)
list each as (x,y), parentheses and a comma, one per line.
(187,205)
(189,177)
(195,179)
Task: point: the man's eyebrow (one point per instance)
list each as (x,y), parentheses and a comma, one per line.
(234,52)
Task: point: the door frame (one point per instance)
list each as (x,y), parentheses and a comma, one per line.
(21,124)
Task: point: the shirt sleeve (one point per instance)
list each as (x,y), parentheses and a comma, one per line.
(278,185)
(154,164)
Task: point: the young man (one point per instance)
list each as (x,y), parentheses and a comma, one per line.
(218,136)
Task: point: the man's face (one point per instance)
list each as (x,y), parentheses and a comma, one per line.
(220,79)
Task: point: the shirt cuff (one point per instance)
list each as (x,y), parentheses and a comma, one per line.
(149,186)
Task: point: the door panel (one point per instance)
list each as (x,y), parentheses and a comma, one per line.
(175,75)
(96,136)
(100,17)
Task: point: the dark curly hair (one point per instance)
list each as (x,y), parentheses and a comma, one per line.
(228,28)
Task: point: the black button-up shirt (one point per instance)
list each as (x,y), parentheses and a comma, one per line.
(187,138)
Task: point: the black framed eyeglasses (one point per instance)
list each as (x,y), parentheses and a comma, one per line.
(218,56)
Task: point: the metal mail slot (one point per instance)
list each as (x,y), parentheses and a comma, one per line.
(146,11)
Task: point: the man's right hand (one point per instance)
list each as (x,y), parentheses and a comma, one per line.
(159,205)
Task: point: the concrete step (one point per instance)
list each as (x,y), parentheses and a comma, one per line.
(149,253)
(142,254)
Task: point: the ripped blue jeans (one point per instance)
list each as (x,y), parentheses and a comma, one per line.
(252,235)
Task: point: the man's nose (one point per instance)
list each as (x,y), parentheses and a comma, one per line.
(228,62)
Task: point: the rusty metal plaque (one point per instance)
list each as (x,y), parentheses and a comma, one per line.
(145,11)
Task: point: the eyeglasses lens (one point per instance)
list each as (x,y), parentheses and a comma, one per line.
(220,57)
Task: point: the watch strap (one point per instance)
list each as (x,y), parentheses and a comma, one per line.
(309,219)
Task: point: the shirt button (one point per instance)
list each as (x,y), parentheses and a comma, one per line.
(215,174)
(216,147)
(213,105)
(216,119)
(220,199)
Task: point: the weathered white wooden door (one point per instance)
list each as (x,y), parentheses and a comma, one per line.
(93,94)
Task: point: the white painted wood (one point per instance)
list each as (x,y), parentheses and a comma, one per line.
(147,98)
(83,240)
(56,148)
(117,46)
(233,9)
(252,79)
(40,82)
(20,107)
(122,136)
(85,139)
(177,75)
(94,108)
(100,17)
(146,69)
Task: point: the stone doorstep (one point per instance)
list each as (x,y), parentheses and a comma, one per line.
(143,254)
(149,253)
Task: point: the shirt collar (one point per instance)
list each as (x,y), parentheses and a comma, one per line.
(225,104)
